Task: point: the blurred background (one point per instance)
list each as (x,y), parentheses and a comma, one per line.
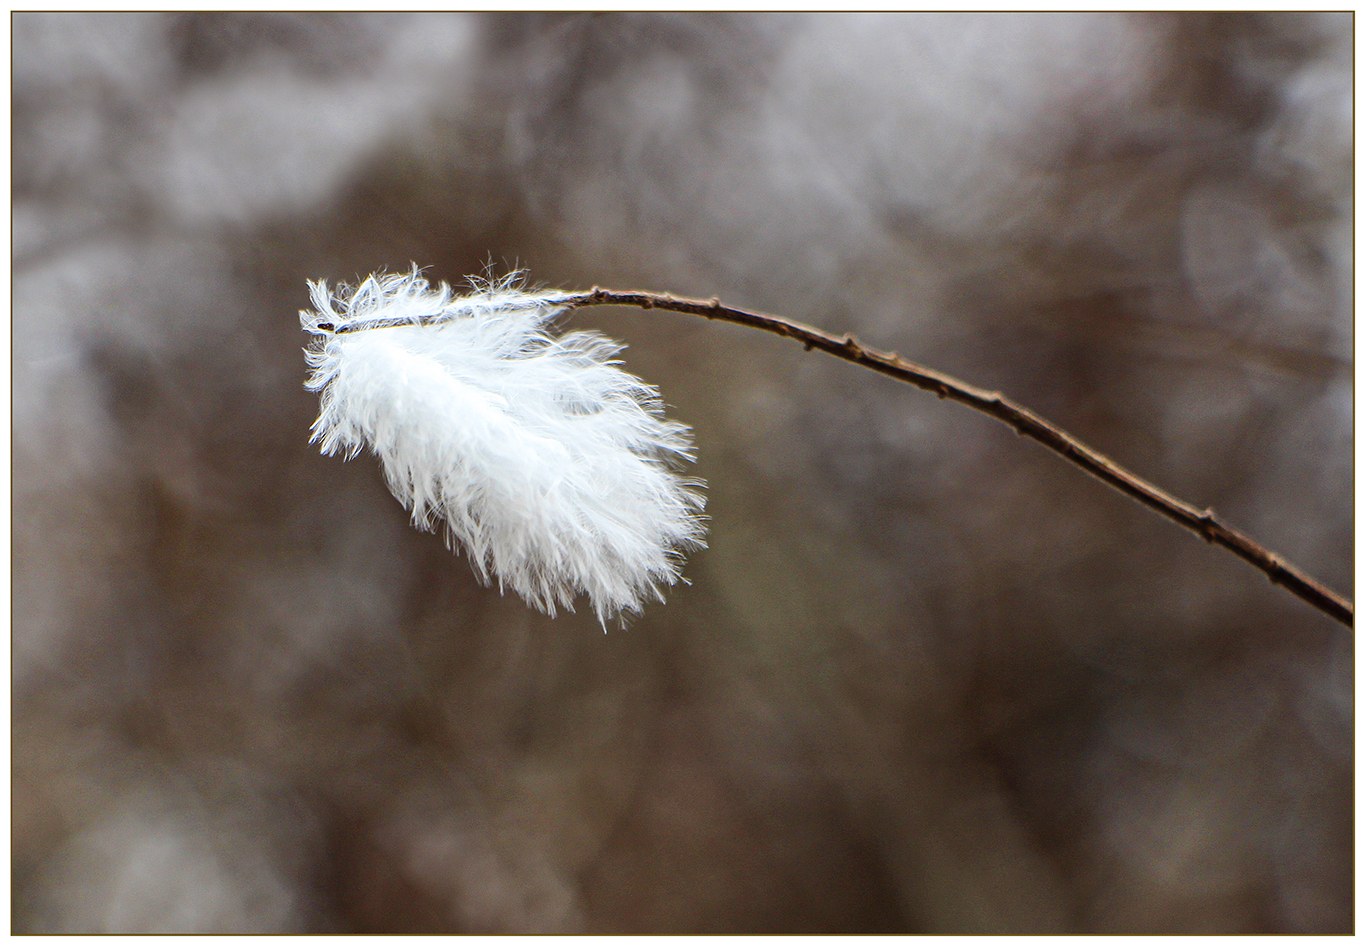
(927,677)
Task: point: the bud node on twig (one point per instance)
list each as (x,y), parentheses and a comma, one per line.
(1275,570)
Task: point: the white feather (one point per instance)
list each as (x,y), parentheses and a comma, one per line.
(555,469)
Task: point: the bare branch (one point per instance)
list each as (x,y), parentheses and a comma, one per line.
(1203,523)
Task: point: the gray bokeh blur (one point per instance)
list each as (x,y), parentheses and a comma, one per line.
(926,678)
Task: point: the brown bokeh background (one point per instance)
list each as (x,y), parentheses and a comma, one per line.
(926,678)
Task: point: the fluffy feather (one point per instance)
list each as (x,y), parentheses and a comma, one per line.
(555,469)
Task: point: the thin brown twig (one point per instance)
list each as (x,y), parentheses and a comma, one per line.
(1203,523)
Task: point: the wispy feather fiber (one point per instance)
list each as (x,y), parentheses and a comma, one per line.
(555,469)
